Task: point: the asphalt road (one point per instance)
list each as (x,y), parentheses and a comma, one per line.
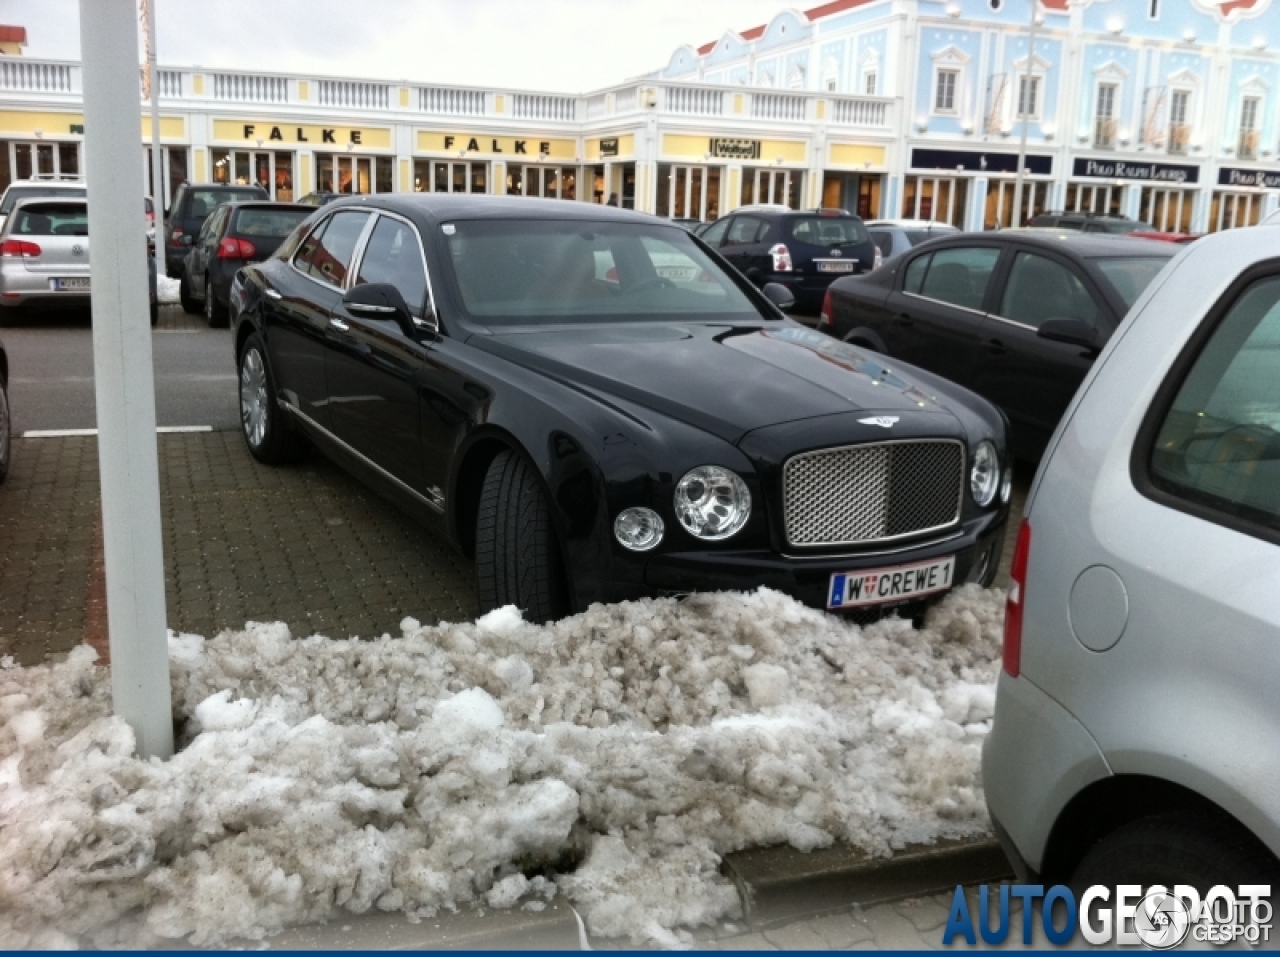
(51,372)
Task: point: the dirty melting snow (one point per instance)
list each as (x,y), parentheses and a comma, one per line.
(620,753)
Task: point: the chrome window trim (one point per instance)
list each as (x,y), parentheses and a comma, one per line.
(359,247)
(964,461)
(437,507)
(422,323)
(943,302)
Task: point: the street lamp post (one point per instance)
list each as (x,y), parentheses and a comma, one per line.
(124,384)
(1022,101)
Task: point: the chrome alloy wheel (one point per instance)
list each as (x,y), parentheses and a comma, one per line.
(253,397)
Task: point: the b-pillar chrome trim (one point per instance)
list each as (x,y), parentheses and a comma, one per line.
(435,502)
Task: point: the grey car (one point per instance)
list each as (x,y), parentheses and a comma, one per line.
(893,237)
(44,256)
(1137,725)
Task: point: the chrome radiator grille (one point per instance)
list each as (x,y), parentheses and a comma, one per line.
(872,493)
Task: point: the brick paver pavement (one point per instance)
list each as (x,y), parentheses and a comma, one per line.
(305,544)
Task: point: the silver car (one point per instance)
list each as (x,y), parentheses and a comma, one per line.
(44,255)
(893,237)
(1137,728)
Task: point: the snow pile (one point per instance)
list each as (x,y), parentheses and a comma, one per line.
(612,757)
(166,289)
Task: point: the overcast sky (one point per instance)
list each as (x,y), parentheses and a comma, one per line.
(557,45)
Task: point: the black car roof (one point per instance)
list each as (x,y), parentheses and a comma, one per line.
(1085,245)
(444,206)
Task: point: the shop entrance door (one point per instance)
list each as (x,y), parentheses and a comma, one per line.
(1168,210)
(1232,210)
(782,187)
(344,173)
(1091,198)
(1000,212)
(939,199)
(270,169)
(689,192)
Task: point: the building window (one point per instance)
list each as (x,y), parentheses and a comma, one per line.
(1028,97)
(1179,128)
(1104,133)
(1249,127)
(447,176)
(944,91)
(869,83)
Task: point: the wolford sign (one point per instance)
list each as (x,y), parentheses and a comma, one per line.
(1155,172)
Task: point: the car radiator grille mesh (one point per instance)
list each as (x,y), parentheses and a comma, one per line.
(872,493)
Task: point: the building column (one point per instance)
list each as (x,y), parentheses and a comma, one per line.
(1270,202)
(975,214)
(891,197)
(1200,207)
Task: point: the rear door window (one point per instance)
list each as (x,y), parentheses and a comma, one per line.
(827,230)
(1039,288)
(960,275)
(1218,446)
(743,231)
(331,256)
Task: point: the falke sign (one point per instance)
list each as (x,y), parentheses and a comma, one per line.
(430,141)
(1249,177)
(1152,172)
(735,149)
(277,133)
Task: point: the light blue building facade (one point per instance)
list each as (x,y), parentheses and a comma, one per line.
(1161,110)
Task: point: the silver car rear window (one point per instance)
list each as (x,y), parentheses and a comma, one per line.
(51,219)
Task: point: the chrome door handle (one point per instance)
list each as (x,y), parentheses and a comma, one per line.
(272,294)
(339,325)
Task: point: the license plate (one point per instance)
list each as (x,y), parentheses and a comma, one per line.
(79,285)
(835,267)
(877,586)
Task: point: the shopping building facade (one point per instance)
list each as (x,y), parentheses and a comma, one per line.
(1164,110)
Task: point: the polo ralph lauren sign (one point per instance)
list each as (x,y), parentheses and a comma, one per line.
(1152,172)
(1249,177)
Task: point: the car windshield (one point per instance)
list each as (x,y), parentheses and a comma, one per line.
(51,219)
(1130,275)
(276,223)
(16,193)
(827,230)
(543,271)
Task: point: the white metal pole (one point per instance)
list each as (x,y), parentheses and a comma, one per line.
(157,153)
(1022,98)
(124,386)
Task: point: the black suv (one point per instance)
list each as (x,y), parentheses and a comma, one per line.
(800,249)
(1091,223)
(192,204)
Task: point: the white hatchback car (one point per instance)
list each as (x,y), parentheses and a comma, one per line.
(1137,729)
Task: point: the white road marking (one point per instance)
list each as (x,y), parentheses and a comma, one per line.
(67,433)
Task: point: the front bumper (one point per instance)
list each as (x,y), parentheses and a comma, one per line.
(977,548)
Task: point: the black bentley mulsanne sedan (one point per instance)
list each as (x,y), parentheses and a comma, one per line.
(595,407)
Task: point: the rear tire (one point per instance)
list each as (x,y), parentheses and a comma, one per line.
(189,304)
(6,437)
(517,555)
(1184,847)
(215,314)
(271,436)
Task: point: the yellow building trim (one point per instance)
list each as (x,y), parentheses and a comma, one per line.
(499,103)
(737,102)
(626,148)
(405,185)
(304,89)
(282,134)
(498,184)
(304,175)
(197,85)
(730,200)
(516,148)
(822,109)
(53,124)
(685,146)
(201,176)
(856,154)
(404,97)
(789,151)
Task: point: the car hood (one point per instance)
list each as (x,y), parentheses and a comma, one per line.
(725,379)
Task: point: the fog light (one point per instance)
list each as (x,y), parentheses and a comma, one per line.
(638,529)
(1006,486)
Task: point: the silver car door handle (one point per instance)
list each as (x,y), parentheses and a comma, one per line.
(272,294)
(339,324)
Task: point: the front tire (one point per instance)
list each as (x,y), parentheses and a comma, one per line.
(272,438)
(517,554)
(215,314)
(1198,849)
(189,303)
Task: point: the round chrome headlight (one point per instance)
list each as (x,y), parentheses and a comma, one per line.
(984,473)
(712,503)
(638,529)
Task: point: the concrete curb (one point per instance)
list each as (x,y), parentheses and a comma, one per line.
(777,885)
(780,884)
